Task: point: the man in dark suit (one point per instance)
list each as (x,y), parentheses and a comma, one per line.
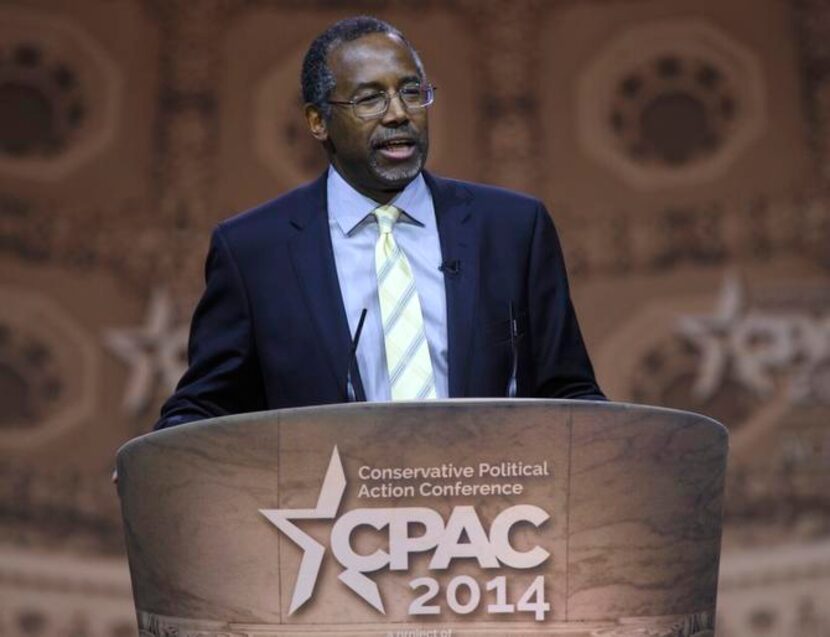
(462,286)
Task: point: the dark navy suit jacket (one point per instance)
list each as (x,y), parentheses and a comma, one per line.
(270,330)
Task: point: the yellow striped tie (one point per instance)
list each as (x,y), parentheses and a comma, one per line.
(407,352)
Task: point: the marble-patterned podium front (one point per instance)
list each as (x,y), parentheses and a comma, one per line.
(524,517)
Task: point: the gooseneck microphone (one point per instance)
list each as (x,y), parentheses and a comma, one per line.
(513,383)
(350,393)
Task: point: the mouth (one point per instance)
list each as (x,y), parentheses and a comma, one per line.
(397,149)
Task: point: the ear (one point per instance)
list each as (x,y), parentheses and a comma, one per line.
(316,123)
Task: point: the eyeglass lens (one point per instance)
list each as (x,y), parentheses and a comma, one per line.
(377,104)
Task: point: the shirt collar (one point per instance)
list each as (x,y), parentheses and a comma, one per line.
(348,208)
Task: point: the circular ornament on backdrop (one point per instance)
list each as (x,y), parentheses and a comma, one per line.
(48,369)
(671,103)
(60,95)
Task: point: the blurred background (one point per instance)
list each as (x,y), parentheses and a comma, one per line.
(682,147)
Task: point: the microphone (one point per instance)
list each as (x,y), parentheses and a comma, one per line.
(451,267)
(350,393)
(513,383)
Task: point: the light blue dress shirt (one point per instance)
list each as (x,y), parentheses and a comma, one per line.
(354,232)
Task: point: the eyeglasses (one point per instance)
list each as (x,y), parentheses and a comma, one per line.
(413,97)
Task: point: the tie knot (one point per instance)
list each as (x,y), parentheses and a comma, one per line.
(387,216)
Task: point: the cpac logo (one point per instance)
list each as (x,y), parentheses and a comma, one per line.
(492,550)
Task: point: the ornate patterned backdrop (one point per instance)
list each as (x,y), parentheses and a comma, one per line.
(683,147)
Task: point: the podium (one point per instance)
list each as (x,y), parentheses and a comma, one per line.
(444,518)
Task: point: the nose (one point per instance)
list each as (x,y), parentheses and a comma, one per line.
(396,113)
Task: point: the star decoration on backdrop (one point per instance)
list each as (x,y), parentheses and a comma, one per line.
(155,353)
(710,333)
(759,349)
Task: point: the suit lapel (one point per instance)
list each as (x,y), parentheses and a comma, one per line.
(312,256)
(459,236)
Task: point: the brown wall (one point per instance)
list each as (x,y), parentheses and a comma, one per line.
(681,146)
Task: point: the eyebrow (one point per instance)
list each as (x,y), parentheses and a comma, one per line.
(377,85)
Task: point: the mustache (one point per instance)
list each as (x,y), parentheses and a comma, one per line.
(409,134)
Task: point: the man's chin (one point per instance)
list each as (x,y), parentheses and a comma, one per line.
(397,177)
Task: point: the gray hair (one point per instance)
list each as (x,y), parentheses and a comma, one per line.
(316,78)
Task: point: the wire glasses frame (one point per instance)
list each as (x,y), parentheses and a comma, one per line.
(372,106)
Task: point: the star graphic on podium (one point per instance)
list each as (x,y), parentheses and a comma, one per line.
(155,352)
(328,502)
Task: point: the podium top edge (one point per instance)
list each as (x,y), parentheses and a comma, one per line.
(460,403)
